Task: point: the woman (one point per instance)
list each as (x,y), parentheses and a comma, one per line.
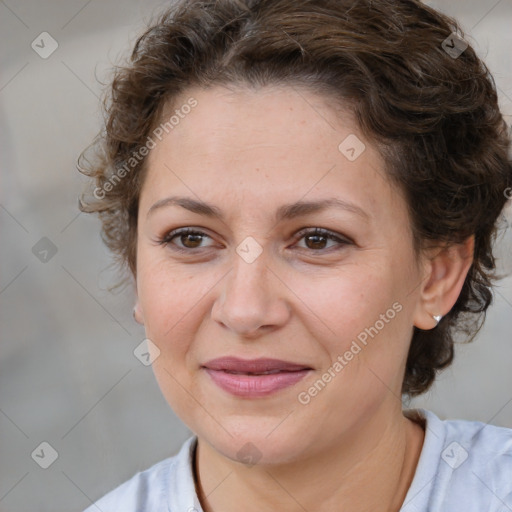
(305,194)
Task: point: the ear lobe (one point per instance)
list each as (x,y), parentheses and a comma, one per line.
(446,272)
(137,313)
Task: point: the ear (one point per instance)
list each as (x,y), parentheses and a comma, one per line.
(446,271)
(137,313)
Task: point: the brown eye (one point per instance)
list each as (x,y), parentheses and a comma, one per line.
(317,239)
(188,238)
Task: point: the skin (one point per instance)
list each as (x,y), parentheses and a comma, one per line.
(302,300)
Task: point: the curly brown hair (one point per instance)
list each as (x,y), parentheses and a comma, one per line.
(424,98)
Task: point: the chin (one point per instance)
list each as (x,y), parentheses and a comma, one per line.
(255,442)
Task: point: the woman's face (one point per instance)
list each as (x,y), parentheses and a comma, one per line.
(254,281)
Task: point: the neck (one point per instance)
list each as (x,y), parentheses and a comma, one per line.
(368,469)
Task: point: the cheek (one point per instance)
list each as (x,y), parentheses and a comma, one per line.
(359,316)
(168,305)
(343,305)
(174,300)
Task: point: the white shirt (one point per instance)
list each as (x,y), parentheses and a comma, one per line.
(464,466)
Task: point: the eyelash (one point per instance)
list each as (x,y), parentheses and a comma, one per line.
(167,239)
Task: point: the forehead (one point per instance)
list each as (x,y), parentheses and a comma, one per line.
(237,119)
(268,145)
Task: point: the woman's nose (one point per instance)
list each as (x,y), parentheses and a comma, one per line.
(253,297)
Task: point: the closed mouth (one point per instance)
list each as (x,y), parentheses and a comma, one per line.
(268,372)
(261,366)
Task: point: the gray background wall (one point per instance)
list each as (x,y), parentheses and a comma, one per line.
(68,374)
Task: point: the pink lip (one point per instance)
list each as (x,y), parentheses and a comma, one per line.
(245,385)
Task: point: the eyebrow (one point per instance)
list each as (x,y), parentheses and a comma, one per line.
(284,212)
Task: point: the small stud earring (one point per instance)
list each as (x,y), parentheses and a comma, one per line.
(437,318)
